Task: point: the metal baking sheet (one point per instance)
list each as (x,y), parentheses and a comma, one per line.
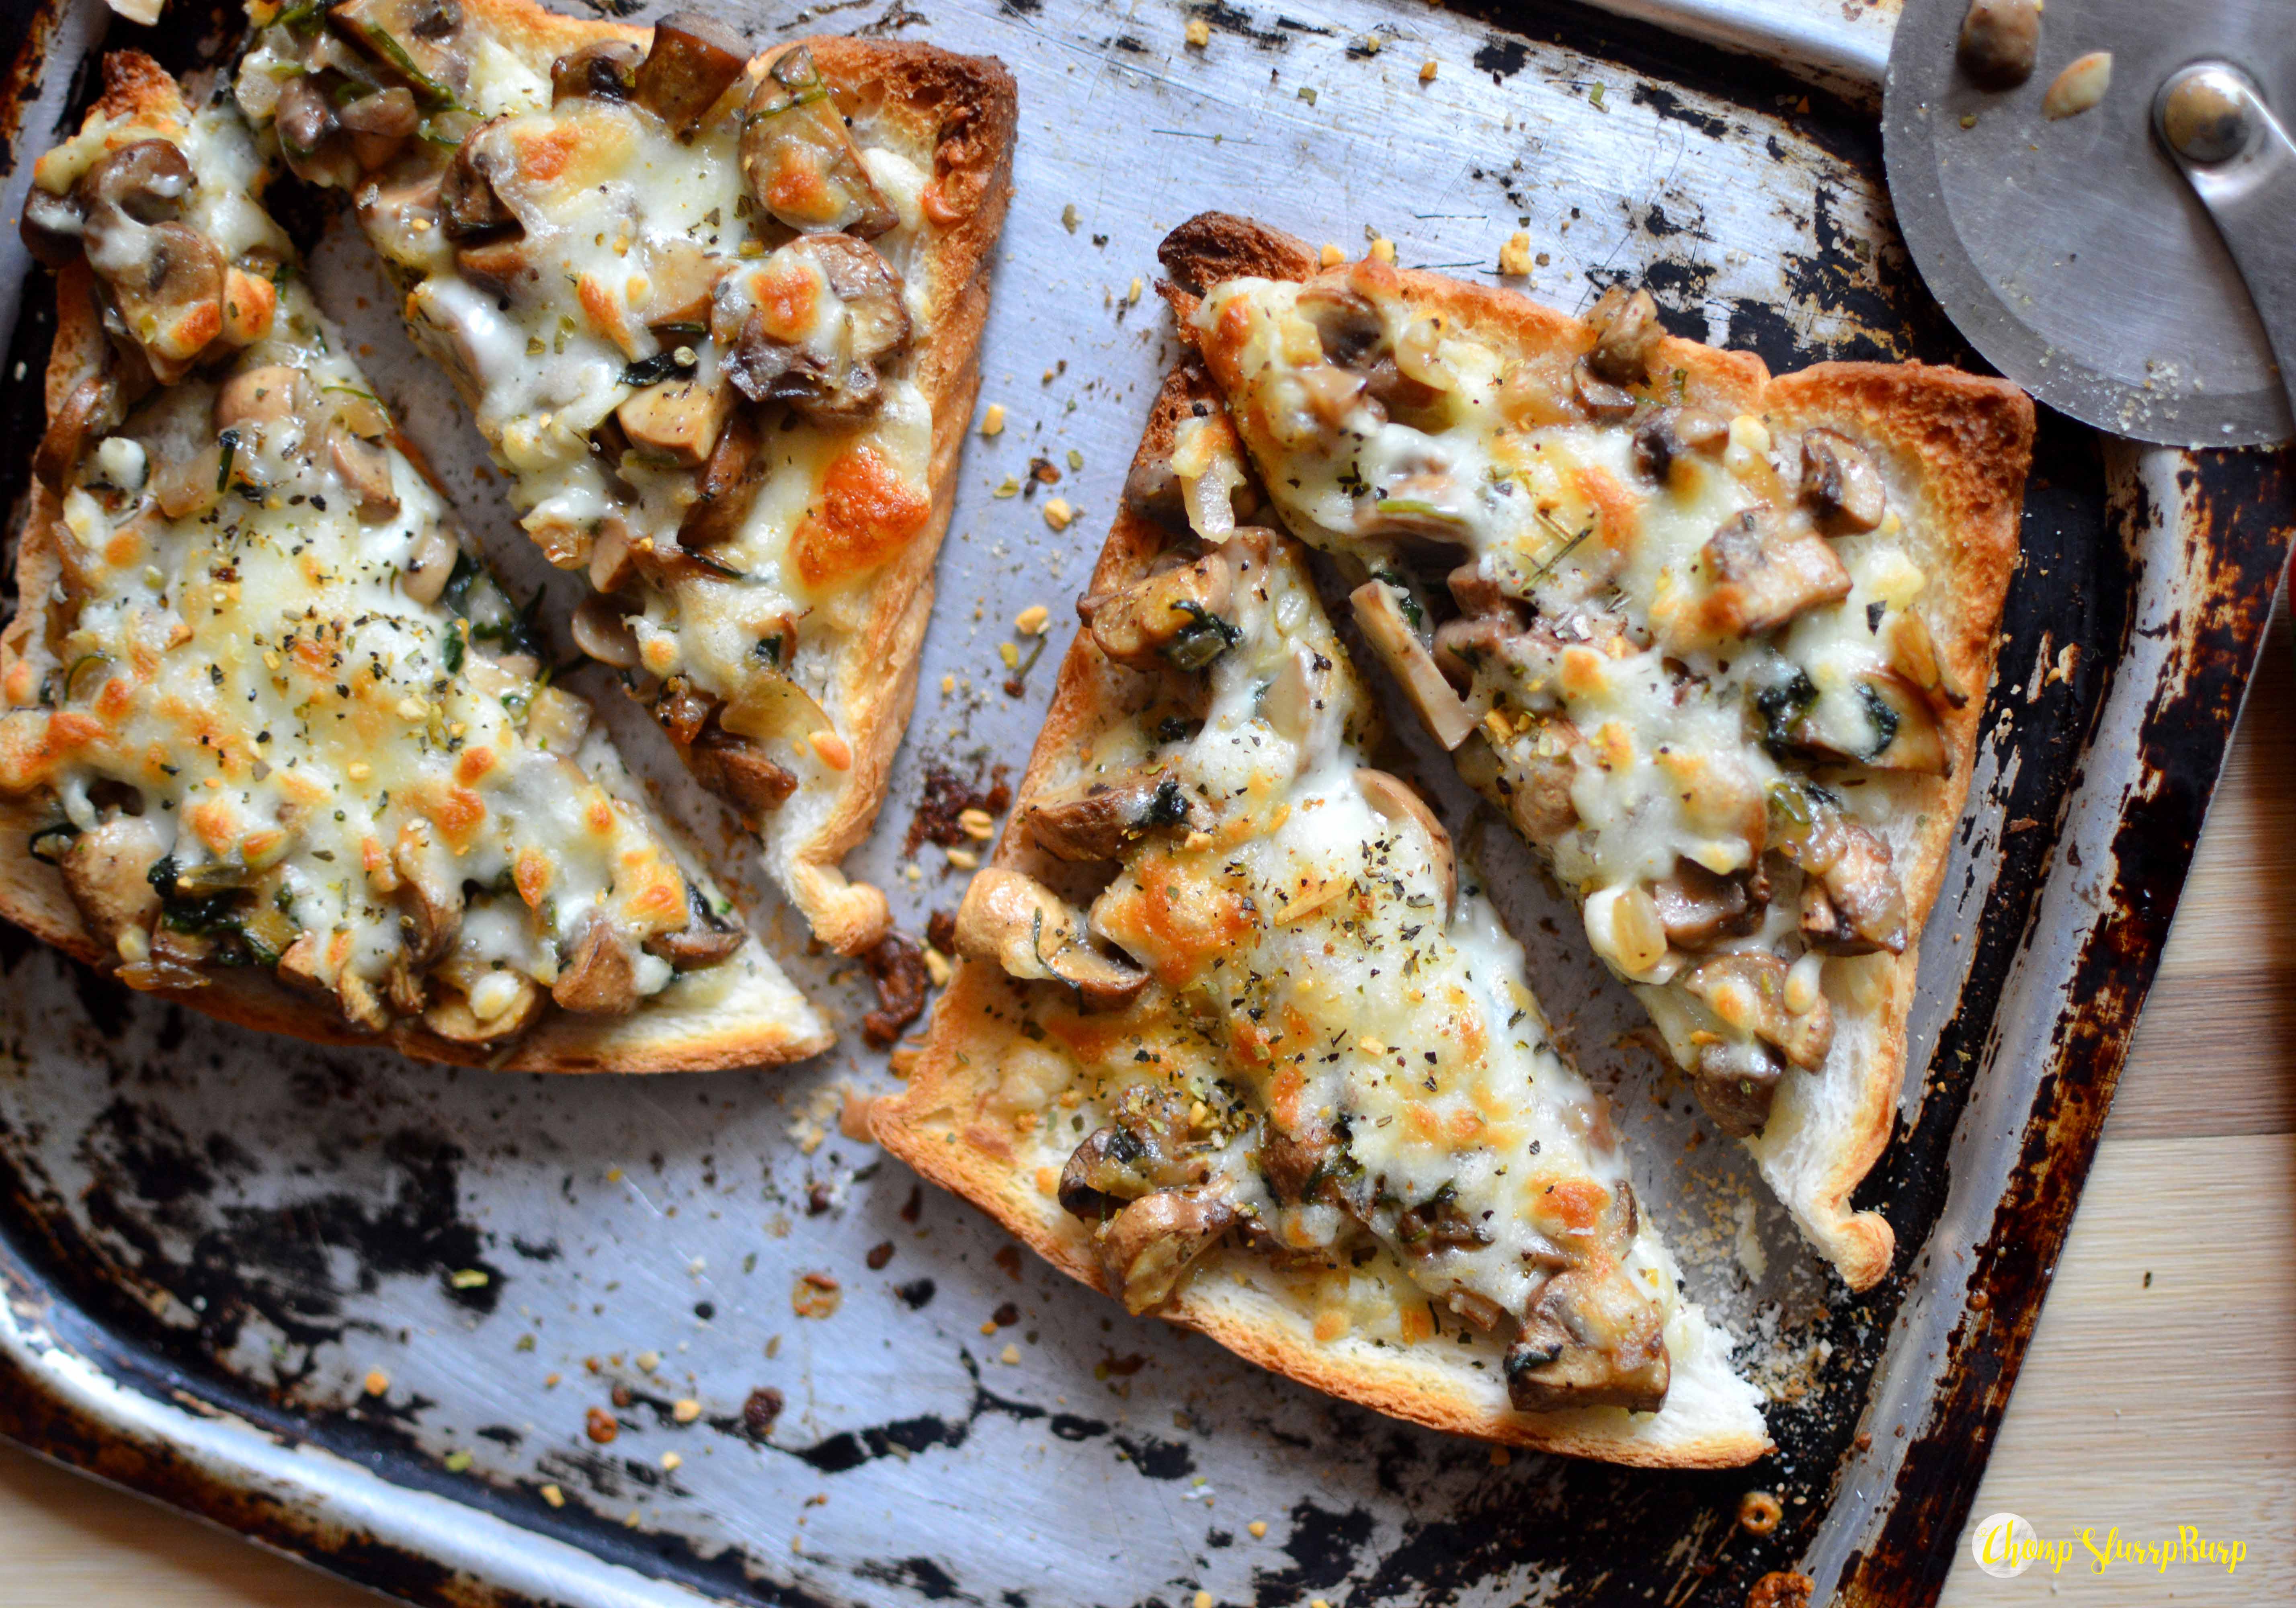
(370,1311)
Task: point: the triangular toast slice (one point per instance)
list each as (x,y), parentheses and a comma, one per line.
(275,742)
(1285,1082)
(1716,643)
(716,318)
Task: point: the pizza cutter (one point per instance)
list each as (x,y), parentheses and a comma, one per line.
(2131,261)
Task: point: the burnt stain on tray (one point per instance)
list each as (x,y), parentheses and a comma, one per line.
(164,1223)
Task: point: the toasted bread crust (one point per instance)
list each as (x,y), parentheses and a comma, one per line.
(966,108)
(1966,440)
(662,1037)
(935,1127)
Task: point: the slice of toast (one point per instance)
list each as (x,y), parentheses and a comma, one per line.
(1307,1104)
(717,317)
(1716,643)
(275,744)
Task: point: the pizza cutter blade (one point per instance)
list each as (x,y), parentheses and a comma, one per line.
(2134,263)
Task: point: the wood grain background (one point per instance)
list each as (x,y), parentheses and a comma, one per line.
(2145,1403)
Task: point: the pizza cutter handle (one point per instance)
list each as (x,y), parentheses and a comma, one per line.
(2212,119)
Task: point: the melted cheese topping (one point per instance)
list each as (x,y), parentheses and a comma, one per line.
(622,224)
(283,712)
(1674,745)
(1304,969)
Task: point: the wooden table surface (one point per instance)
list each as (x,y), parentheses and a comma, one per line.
(2160,1392)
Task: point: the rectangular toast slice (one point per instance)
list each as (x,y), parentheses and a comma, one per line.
(1716,643)
(1284,1083)
(716,318)
(274,742)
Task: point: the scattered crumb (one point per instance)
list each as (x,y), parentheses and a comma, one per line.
(1032,620)
(938,968)
(853,1116)
(554,1496)
(599,1424)
(467,1278)
(671,1460)
(1427,70)
(1747,1245)
(1132,296)
(816,1295)
(377,1382)
(1010,1355)
(1058,515)
(992,419)
(1258,1529)
(1070,217)
(457,1462)
(1514,257)
(685,1409)
(648,1361)
(759,1411)
(1383,249)
(1331,256)
(1199,33)
(1203,1599)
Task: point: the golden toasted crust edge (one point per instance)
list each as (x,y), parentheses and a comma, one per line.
(1970,439)
(973,108)
(928,1125)
(32,891)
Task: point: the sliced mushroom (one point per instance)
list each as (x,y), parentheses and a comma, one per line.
(1101,820)
(107,871)
(311,137)
(361,1004)
(1531,777)
(51,227)
(738,771)
(515,1000)
(469,209)
(1627,336)
(692,60)
(1392,799)
(1674,434)
(1147,1248)
(364,467)
(1698,906)
(168,294)
(1864,906)
(270,393)
(1999,41)
(1736,1079)
(144,182)
(430,564)
(604,71)
(601,630)
(706,938)
(1465,644)
(1913,654)
(92,408)
(1839,485)
(1881,719)
(1589,1339)
(832,374)
(1601,398)
(1749,993)
(1347,323)
(1154,491)
(798,157)
(1764,571)
(377,126)
(677,421)
(727,486)
(1033,934)
(1174,616)
(1391,637)
(600,977)
(430,912)
(500,265)
(1143,1150)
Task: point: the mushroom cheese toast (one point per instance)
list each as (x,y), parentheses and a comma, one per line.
(1716,643)
(273,743)
(717,319)
(1282,1081)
